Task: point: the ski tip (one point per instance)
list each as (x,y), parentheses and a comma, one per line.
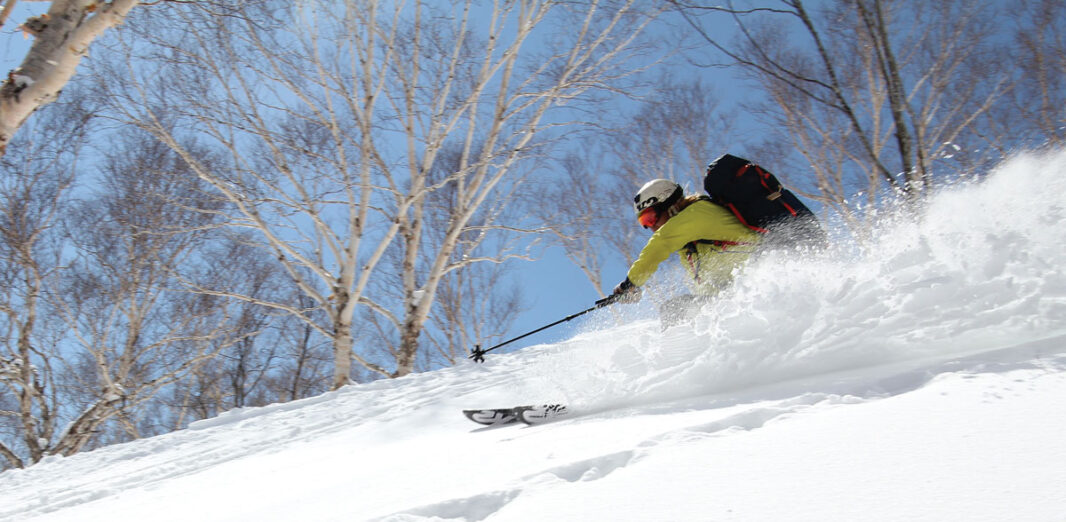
(542,413)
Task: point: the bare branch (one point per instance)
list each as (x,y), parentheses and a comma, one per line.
(62,38)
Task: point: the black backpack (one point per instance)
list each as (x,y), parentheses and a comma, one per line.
(760,202)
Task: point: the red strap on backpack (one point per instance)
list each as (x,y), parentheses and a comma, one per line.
(736,213)
(775,194)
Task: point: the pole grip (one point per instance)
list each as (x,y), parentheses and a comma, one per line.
(607,301)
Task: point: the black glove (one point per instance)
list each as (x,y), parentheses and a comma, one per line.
(625,292)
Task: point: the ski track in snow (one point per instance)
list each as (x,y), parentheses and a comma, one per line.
(145,462)
(744,412)
(976,288)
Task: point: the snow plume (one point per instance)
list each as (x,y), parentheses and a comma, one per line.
(978,270)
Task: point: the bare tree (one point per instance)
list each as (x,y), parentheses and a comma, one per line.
(584,214)
(239,374)
(881,87)
(133,329)
(1040,93)
(35,186)
(474,306)
(62,37)
(674,133)
(92,330)
(334,114)
(275,359)
(306,368)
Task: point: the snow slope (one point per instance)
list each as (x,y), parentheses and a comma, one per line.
(923,378)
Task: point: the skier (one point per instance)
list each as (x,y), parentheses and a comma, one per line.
(711,242)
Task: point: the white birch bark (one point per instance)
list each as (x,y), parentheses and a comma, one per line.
(61,39)
(334,121)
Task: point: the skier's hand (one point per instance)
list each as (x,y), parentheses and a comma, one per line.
(625,292)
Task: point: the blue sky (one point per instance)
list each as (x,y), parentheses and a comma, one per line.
(554,288)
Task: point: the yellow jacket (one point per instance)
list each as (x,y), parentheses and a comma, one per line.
(710,241)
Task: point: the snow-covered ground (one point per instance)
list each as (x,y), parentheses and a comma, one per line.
(921,379)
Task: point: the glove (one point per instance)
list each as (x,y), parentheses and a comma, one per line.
(625,292)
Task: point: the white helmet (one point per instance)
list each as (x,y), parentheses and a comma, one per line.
(660,193)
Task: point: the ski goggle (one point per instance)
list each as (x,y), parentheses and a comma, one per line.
(648,217)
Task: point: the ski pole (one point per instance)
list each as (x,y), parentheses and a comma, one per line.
(478,355)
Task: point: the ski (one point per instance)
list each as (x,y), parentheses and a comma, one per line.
(526,414)
(542,413)
(492,417)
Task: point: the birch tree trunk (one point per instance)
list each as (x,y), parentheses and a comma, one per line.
(505,136)
(334,116)
(61,39)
